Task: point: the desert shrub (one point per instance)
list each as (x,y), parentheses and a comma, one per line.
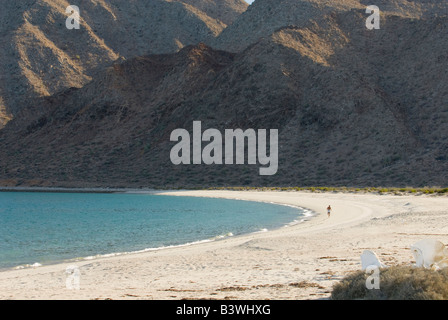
(396,283)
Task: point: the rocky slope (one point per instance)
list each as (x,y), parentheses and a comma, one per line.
(263,17)
(40,56)
(353,107)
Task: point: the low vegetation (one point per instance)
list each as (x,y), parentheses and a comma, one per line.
(396,283)
(380,190)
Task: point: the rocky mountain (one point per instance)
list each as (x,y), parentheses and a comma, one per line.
(264,17)
(353,107)
(40,56)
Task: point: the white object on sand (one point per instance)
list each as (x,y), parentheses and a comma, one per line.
(369,258)
(430,254)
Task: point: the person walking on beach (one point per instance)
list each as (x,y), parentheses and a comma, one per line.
(329,211)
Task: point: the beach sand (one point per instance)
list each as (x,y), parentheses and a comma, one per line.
(302,261)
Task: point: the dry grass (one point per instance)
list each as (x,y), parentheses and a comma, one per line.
(396,283)
(379,190)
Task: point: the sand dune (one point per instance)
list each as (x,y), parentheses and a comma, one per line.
(296,262)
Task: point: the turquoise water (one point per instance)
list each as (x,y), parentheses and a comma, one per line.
(51,227)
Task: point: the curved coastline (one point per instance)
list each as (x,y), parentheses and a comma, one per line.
(263,265)
(304,215)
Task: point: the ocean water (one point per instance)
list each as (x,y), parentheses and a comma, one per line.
(43,228)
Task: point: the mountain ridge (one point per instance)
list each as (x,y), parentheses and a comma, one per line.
(41,57)
(349,110)
(263,17)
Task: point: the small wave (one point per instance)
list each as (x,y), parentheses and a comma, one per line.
(222,236)
(262,230)
(24,266)
(305,212)
(107,255)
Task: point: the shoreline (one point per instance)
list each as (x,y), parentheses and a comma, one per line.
(295,262)
(434,191)
(304,216)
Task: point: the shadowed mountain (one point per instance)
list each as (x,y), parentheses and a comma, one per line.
(40,56)
(352,106)
(263,17)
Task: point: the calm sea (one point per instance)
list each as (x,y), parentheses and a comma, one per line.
(46,228)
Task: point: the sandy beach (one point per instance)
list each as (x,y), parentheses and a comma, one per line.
(295,262)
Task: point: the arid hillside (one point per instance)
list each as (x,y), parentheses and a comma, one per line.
(353,107)
(264,17)
(40,56)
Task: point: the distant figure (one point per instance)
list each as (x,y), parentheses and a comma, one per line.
(329,211)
